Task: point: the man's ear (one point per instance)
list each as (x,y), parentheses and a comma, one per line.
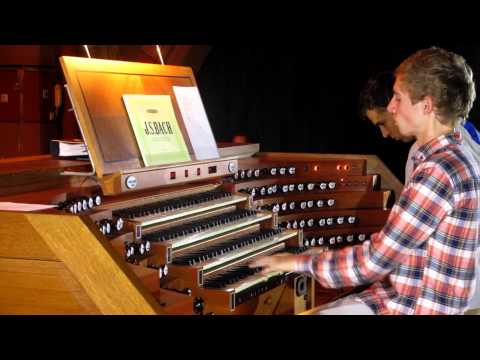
(427,105)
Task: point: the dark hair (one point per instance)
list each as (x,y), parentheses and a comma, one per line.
(443,75)
(376,93)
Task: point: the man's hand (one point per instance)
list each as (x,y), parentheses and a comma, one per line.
(280,262)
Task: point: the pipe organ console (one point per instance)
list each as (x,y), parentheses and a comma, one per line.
(334,202)
(176,244)
(188,247)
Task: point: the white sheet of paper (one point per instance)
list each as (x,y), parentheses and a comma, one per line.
(11,206)
(196,122)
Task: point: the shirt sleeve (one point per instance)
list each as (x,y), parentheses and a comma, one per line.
(422,205)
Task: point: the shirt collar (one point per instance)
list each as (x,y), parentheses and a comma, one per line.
(437,144)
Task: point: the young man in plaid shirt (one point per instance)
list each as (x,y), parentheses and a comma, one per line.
(423,260)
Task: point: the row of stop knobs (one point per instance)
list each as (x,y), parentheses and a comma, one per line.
(285,188)
(302,205)
(81,204)
(110,227)
(306,223)
(258,173)
(332,240)
(137,250)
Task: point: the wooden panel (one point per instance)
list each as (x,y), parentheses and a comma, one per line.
(32,99)
(34,173)
(26,97)
(9,96)
(345,200)
(20,240)
(41,287)
(69,125)
(345,183)
(38,94)
(374,165)
(35,138)
(35,164)
(104,117)
(367,217)
(9,139)
(323,165)
(174,303)
(47,197)
(173,55)
(106,278)
(28,54)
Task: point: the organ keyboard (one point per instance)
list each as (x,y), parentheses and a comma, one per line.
(176,239)
(158,212)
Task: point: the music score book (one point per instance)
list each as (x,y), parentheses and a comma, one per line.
(156,129)
(196,122)
(68,148)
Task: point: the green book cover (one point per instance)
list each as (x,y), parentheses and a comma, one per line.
(156,129)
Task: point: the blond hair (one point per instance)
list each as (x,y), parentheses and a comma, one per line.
(445,77)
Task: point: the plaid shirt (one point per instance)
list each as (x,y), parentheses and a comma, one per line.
(423,260)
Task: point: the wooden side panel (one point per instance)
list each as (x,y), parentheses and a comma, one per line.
(18,239)
(105,278)
(41,287)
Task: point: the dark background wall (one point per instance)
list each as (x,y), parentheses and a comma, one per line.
(304,98)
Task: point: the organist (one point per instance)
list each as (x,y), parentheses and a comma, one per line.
(373,103)
(423,260)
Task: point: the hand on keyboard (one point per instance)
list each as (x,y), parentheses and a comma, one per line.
(279,262)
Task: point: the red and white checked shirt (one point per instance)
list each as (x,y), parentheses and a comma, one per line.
(423,260)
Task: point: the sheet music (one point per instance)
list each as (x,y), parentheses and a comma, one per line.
(156,129)
(196,122)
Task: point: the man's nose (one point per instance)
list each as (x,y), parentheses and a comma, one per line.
(391,107)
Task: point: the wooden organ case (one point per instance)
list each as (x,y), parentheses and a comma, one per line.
(173,239)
